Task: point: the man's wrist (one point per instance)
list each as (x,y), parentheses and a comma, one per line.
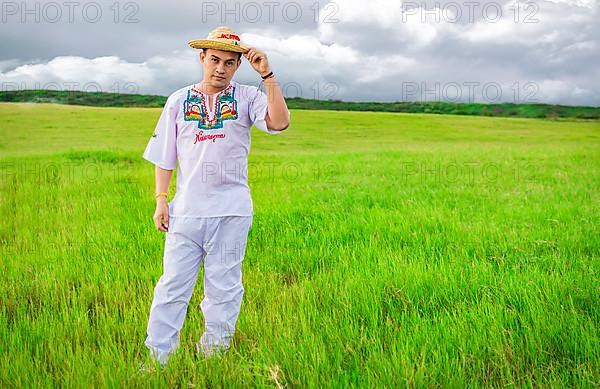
(270,81)
(265,73)
(161,196)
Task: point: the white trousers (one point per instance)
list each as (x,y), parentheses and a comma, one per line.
(219,243)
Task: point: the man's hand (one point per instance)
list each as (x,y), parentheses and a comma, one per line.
(278,116)
(161,215)
(258,60)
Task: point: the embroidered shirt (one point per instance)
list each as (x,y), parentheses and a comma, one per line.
(209,143)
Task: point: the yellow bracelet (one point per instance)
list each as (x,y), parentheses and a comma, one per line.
(162,194)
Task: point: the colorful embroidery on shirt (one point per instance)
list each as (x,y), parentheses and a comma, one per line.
(195,108)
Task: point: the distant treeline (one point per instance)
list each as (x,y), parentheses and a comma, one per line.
(103,99)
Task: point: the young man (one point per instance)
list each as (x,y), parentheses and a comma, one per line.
(205,128)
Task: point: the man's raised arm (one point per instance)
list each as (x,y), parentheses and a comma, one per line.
(278,116)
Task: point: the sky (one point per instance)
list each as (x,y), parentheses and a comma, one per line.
(461,51)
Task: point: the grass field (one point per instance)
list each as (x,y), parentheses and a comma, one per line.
(400,250)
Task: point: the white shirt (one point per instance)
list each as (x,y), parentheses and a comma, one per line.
(211,148)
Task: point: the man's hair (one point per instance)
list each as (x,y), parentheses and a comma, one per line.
(239,54)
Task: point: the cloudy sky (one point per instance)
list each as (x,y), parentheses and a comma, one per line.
(485,51)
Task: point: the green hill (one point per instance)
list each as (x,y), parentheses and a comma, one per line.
(102,99)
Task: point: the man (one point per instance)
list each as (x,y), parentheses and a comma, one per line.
(205,129)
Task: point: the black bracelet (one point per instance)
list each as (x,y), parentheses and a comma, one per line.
(267,76)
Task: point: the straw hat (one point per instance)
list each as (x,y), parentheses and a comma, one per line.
(221,38)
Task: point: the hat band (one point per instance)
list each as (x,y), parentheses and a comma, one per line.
(230,36)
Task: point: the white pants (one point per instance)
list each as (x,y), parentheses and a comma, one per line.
(219,242)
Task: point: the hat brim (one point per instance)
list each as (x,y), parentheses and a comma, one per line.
(208,44)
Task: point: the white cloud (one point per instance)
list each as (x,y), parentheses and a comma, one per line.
(68,69)
(577,3)
(107,74)
(382,21)
(303,48)
(387,68)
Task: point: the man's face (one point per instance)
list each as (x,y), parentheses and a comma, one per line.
(219,66)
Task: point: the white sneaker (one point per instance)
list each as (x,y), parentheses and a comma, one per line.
(150,367)
(159,357)
(209,351)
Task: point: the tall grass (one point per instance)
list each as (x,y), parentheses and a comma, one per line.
(386,250)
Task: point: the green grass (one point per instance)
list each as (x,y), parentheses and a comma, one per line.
(404,250)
